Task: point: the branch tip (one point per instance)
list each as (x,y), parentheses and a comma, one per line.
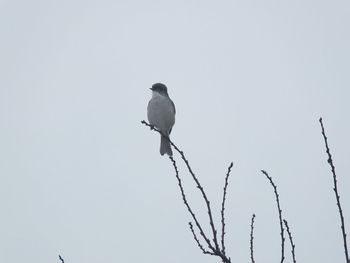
(335,189)
(279,212)
(251,239)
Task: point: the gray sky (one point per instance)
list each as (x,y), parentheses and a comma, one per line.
(80,176)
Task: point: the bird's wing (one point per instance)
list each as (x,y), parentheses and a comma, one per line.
(173,106)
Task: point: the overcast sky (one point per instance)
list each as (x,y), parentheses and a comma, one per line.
(80,175)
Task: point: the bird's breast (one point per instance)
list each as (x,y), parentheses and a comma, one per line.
(161,113)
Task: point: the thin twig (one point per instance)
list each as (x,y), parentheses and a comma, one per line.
(188,206)
(223,209)
(59,256)
(330,162)
(251,239)
(197,241)
(199,186)
(290,239)
(215,252)
(279,213)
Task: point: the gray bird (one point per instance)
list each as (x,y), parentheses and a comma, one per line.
(161,114)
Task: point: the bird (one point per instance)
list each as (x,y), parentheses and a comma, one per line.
(161,114)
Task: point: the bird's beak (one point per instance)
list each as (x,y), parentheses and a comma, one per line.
(151,88)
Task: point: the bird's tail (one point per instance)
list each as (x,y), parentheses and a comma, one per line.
(165,146)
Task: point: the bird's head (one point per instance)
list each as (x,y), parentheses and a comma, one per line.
(160,88)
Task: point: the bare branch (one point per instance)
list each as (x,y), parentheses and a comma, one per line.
(215,249)
(188,206)
(251,239)
(199,186)
(59,256)
(279,213)
(335,188)
(197,241)
(290,239)
(223,209)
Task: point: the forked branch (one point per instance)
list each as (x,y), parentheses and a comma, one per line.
(213,248)
(188,206)
(199,186)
